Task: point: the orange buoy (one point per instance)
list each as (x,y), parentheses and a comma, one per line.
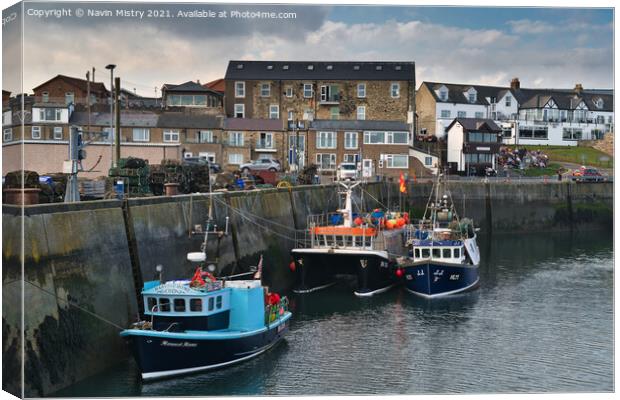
(358,221)
(400,222)
(390,224)
(292,266)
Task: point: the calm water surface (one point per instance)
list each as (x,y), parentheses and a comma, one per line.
(541,321)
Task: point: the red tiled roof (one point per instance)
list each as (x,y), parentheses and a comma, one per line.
(218,85)
(80,83)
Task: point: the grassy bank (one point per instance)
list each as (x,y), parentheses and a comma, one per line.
(578,155)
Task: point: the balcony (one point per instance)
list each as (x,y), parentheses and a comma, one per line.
(266,146)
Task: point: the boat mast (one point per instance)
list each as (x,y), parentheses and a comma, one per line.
(347,211)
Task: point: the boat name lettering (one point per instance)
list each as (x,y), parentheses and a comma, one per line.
(178,344)
(454,277)
(172,289)
(439,272)
(420,272)
(409,277)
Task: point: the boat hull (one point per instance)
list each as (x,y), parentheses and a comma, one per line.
(434,279)
(317,270)
(160,357)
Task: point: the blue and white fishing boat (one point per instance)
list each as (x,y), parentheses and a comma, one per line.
(444,255)
(205,323)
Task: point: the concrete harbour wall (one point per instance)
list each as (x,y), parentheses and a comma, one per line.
(79,285)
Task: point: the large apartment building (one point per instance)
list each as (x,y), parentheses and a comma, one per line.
(526,116)
(329,112)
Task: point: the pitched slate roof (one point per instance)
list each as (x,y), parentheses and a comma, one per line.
(324,70)
(253,124)
(476,124)
(77,82)
(146,119)
(185,120)
(358,125)
(189,86)
(566,99)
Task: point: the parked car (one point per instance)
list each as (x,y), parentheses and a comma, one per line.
(213,167)
(264,164)
(347,171)
(587,174)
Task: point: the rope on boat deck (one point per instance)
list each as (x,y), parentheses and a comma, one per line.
(70,303)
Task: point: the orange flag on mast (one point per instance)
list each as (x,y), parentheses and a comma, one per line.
(403,187)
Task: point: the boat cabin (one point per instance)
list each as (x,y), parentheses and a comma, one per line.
(448,251)
(358,238)
(176,306)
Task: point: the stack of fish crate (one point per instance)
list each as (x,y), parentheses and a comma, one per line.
(135,173)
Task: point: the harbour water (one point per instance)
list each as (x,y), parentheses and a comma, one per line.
(541,321)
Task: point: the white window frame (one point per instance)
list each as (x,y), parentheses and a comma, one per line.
(208,134)
(389,160)
(188,154)
(332,161)
(328,138)
(289,91)
(428,161)
(238,139)
(274,111)
(38,135)
(70,95)
(351,138)
(445,113)
(268,137)
(308,91)
(461,114)
(209,156)
(239,89)
(268,92)
(146,134)
(8,134)
(508,101)
(291,115)
(361,113)
(395,85)
(56,130)
(242,112)
(346,158)
(479,114)
(235,158)
(361,90)
(169,135)
(443,95)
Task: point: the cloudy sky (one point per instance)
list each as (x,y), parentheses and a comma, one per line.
(544,47)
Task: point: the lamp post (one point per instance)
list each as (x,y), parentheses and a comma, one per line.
(111,68)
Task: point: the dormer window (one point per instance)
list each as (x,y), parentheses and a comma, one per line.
(356,67)
(379,67)
(285,67)
(239,66)
(443,95)
(310,67)
(329,67)
(599,103)
(398,68)
(470,95)
(269,67)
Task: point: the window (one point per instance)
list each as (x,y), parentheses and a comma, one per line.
(171,135)
(235,158)
(58,133)
(572,134)
(361,112)
(310,67)
(330,94)
(443,95)
(69,97)
(307,90)
(274,111)
(218,302)
(417,253)
(479,114)
(326,161)
(8,134)
(239,110)
(374,137)
(351,158)
(457,253)
(36,132)
(507,132)
(361,90)
(289,91)
(265,90)
(50,114)
(179,305)
(205,136)
(508,101)
(188,154)
(141,135)
(164,304)
(396,160)
(195,305)
(350,140)
(291,115)
(239,89)
(151,303)
(334,113)
(538,132)
(428,161)
(461,114)
(471,97)
(326,140)
(599,103)
(436,253)
(235,139)
(395,90)
(397,137)
(446,253)
(211,303)
(426,253)
(189,100)
(45,97)
(445,113)
(265,141)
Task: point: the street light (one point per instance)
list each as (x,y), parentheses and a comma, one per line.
(111,68)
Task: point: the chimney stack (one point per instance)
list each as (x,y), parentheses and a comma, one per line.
(198,81)
(578,88)
(515,84)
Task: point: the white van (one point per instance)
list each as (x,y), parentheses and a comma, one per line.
(347,172)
